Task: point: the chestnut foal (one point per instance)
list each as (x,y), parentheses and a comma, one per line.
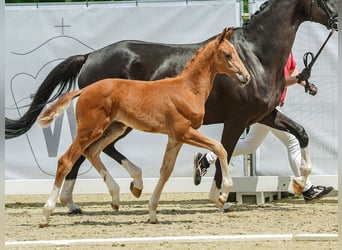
(172,106)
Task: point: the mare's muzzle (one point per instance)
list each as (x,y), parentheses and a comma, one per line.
(333,23)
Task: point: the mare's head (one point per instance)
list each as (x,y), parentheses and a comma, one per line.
(323,11)
(228,60)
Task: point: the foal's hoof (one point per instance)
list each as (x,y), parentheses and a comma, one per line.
(153,221)
(43,225)
(135,191)
(297,188)
(115,207)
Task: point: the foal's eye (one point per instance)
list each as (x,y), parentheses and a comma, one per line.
(228,56)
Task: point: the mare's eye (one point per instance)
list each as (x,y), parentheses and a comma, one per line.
(228,56)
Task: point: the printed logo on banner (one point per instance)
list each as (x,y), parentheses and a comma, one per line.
(23,87)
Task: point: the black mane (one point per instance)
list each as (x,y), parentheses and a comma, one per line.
(261,8)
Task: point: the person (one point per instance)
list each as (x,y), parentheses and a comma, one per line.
(258,132)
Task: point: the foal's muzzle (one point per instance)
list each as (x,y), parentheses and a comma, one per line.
(244,79)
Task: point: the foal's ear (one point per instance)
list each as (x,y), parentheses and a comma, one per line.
(226,33)
(221,37)
(229,33)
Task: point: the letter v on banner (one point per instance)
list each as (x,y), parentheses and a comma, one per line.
(53,137)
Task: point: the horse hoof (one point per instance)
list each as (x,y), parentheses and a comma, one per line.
(43,225)
(76,211)
(297,188)
(221,202)
(115,207)
(135,191)
(154,221)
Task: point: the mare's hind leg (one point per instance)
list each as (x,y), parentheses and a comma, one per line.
(92,153)
(68,186)
(278,120)
(299,183)
(170,156)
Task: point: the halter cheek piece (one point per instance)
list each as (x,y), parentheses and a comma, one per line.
(311,9)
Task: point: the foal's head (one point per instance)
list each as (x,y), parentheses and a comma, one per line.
(227,59)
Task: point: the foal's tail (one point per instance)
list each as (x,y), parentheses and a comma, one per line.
(63,77)
(47,117)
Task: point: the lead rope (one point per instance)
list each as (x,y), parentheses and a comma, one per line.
(309,59)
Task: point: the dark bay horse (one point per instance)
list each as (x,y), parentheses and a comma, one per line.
(172,106)
(263,45)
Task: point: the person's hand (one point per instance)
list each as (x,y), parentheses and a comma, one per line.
(311,88)
(304,75)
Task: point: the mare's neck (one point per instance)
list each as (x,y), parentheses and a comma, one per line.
(272,32)
(200,72)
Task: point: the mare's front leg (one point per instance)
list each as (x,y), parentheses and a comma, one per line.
(170,156)
(278,120)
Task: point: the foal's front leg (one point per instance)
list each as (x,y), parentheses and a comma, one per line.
(195,138)
(170,156)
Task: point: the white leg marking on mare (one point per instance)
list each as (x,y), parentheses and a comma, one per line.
(66,196)
(299,183)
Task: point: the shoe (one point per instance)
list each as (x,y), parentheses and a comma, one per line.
(200,167)
(316,192)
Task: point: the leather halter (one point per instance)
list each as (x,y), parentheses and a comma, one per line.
(332,18)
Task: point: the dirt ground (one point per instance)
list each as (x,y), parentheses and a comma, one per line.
(179,214)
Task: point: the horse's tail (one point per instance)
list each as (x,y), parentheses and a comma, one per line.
(47,117)
(62,76)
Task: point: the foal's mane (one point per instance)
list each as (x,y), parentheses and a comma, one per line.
(194,57)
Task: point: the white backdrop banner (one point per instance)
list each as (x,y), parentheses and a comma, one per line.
(37,39)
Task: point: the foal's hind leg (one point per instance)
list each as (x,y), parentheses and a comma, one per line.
(92,153)
(133,170)
(64,165)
